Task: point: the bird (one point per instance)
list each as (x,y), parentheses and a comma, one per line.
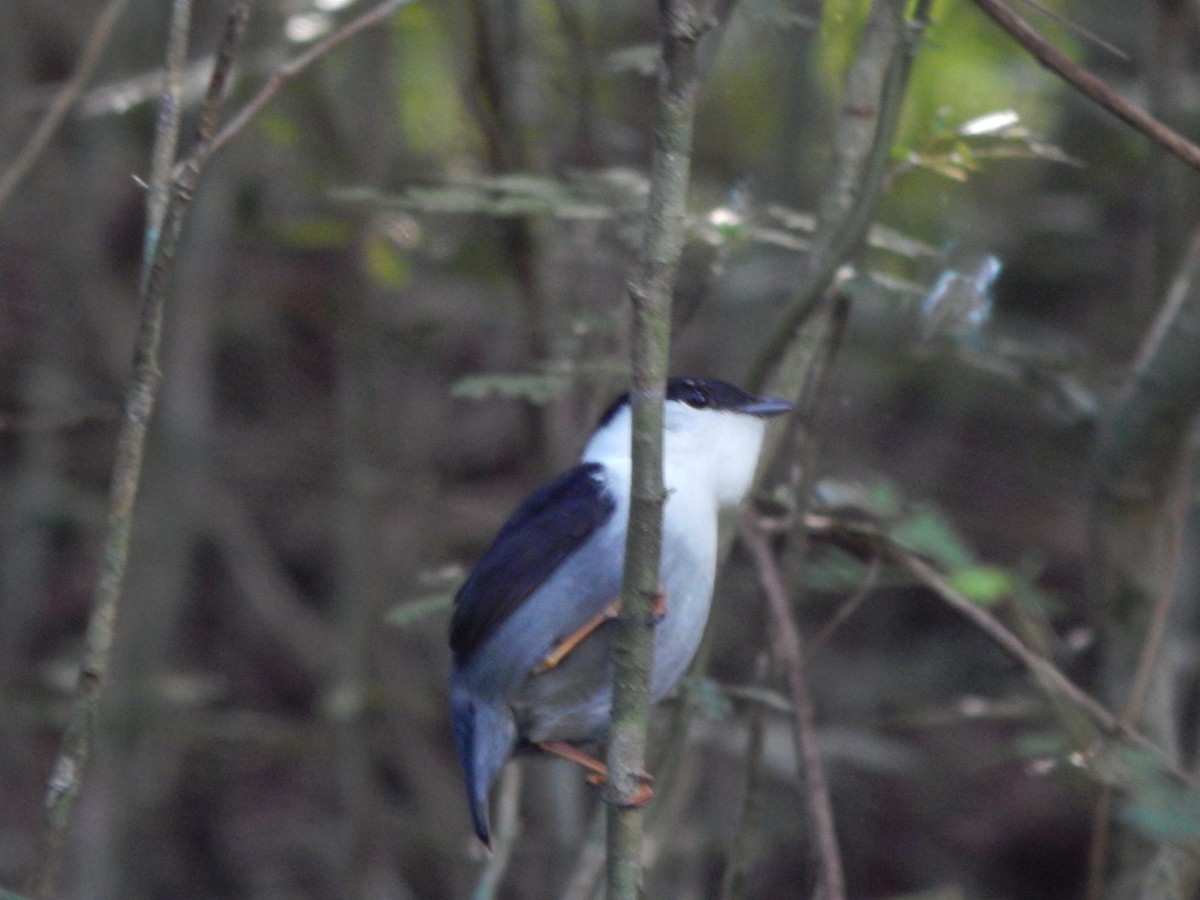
(532,626)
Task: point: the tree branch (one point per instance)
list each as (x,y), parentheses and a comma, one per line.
(1136,529)
(789,650)
(681,26)
(21,166)
(293,67)
(854,185)
(1088,84)
(1086,720)
(167,204)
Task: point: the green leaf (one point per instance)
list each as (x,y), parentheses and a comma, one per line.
(929,533)
(435,121)
(983,584)
(500,196)
(1156,805)
(603,194)
(385,263)
(958,152)
(833,570)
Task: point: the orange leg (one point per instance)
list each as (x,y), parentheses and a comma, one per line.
(597,771)
(560,651)
(657,613)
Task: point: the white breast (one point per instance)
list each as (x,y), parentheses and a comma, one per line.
(709,459)
(686,570)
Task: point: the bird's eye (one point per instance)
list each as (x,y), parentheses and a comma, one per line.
(698,397)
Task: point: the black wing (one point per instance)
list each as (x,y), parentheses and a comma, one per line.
(547,528)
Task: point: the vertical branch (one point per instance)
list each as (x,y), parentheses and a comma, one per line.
(500,42)
(166,137)
(1134,540)
(1148,664)
(168,201)
(862,141)
(788,646)
(681,26)
(789,650)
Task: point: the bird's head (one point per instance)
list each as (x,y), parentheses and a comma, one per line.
(712,434)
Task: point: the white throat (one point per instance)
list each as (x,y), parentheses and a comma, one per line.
(707,454)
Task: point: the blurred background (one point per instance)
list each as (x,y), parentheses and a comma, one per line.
(399,306)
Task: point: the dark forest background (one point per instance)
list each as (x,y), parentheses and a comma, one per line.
(399,304)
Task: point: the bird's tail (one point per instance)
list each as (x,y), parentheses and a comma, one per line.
(484,735)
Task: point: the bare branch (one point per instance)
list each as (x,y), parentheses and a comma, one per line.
(681,26)
(298,64)
(789,649)
(1088,84)
(101,32)
(1047,677)
(854,185)
(168,202)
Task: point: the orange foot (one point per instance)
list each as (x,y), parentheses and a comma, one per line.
(598,771)
(658,609)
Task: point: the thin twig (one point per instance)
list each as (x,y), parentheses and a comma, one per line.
(1151,652)
(101,31)
(159,185)
(1042,669)
(1147,665)
(1046,676)
(855,183)
(298,64)
(1096,89)
(1166,323)
(1071,25)
(1136,454)
(1097,861)
(802,443)
(789,649)
(163,229)
(851,605)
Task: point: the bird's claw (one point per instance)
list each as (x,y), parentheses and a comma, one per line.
(658,607)
(640,797)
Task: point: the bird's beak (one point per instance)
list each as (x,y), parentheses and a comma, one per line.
(767,406)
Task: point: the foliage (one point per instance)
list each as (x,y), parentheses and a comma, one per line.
(966,69)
